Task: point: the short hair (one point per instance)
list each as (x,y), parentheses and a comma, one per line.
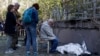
(36,5)
(50,20)
(10,7)
(17,4)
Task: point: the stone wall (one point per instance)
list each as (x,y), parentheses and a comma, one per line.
(77,31)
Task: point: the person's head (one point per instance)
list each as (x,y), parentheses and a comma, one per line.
(50,22)
(17,5)
(36,5)
(10,8)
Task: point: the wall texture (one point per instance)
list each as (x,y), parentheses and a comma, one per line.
(78,32)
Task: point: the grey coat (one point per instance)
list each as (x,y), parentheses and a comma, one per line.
(46,31)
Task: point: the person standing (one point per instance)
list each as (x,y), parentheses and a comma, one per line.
(18,25)
(10,24)
(17,14)
(31,29)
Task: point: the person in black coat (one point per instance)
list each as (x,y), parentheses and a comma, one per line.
(10,23)
(9,29)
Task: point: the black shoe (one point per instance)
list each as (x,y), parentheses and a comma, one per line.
(54,52)
(15,48)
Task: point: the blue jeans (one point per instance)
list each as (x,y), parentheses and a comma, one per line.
(54,44)
(9,42)
(31,36)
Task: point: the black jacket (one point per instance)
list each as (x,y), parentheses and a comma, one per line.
(10,23)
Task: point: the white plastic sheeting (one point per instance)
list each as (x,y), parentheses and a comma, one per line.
(73,48)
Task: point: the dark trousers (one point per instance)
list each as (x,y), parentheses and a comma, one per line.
(54,44)
(14,41)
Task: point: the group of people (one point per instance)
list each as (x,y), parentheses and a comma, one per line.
(12,21)
(10,27)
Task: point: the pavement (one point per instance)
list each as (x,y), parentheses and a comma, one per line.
(21,50)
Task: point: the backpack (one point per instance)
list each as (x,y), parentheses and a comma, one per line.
(27,16)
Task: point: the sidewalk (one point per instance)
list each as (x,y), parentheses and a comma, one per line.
(21,50)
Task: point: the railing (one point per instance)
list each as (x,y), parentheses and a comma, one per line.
(21,33)
(2,33)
